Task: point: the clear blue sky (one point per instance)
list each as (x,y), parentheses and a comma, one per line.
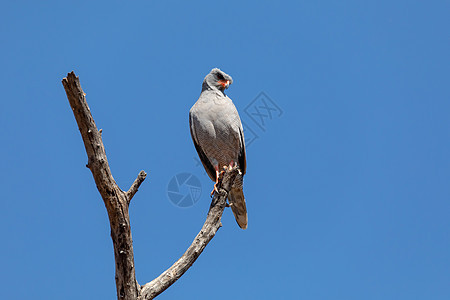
(348,190)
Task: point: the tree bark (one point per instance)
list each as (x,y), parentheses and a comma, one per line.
(117,205)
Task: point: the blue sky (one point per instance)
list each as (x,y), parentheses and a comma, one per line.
(347,186)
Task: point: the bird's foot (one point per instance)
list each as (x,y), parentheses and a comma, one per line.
(217,181)
(232,165)
(214,189)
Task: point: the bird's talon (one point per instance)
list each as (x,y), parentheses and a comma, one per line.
(214,189)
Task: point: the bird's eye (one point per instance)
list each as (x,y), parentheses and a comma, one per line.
(220,76)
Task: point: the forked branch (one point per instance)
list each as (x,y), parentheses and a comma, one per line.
(116,200)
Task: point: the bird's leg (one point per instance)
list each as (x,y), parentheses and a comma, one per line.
(217,180)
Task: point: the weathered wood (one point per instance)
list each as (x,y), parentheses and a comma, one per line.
(116,200)
(135,186)
(117,204)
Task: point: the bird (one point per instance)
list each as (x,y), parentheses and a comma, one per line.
(218,136)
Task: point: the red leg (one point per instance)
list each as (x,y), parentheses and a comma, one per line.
(217,180)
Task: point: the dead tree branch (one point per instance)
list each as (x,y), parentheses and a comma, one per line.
(135,186)
(117,204)
(116,200)
(209,229)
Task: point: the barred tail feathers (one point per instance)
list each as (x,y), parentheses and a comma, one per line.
(237,203)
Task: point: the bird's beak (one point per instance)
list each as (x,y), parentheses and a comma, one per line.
(224,83)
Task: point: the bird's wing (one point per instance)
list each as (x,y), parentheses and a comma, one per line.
(241,158)
(210,170)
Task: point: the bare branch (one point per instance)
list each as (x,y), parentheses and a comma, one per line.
(114,198)
(135,186)
(208,231)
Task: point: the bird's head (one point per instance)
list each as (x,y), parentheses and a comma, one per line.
(217,79)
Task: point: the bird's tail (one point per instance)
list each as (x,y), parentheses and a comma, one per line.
(237,203)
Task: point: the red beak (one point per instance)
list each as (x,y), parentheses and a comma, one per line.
(224,83)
